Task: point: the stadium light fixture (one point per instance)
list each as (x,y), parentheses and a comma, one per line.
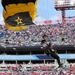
(72,2)
(60,2)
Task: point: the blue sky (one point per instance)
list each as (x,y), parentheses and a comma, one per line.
(45,10)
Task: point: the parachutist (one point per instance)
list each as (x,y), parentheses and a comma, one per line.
(50,51)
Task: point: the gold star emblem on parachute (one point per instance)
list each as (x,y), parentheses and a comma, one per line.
(19,20)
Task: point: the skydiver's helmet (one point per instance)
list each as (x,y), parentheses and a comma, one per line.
(43,43)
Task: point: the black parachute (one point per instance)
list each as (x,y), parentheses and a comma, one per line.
(18,14)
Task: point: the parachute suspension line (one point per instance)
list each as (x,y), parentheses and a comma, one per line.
(48,9)
(43,9)
(42,6)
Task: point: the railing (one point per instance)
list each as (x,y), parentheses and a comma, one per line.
(35,57)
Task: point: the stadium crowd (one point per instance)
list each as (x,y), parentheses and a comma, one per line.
(33,34)
(68,69)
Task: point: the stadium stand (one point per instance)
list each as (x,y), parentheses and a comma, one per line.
(23,50)
(33,34)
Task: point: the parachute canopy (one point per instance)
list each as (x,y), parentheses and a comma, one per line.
(18,14)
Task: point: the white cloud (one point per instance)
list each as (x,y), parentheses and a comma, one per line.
(1,20)
(54,18)
(39,20)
